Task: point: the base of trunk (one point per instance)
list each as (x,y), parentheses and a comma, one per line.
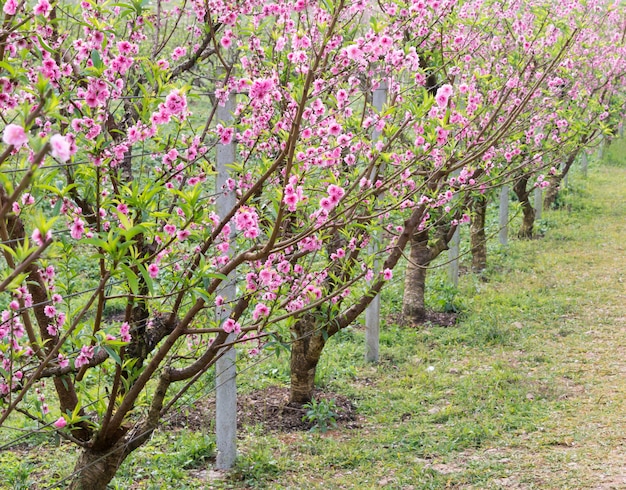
(306,351)
(413,302)
(477,235)
(527,229)
(302,386)
(96,469)
(413,316)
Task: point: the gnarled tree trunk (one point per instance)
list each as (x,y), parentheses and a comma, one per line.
(552,190)
(528,219)
(478,239)
(97,468)
(420,256)
(306,351)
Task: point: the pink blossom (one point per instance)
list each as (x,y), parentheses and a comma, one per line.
(125,332)
(231,326)
(63,361)
(260,310)
(261,88)
(77,229)
(10,7)
(153,270)
(334,129)
(227,136)
(179,52)
(387,274)
(50,311)
(38,238)
(43,8)
(86,353)
(175,102)
(335,192)
(14,135)
(354,53)
(61,148)
(326,204)
(443,95)
(182,235)
(60,423)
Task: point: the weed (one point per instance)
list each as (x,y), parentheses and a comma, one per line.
(322,414)
(256,466)
(445,297)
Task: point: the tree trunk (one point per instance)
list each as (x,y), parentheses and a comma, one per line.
(528,220)
(413,306)
(97,468)
(477,235)
(552,190)
(306,351)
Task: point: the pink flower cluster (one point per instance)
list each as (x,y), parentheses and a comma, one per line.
(85,355)
(175,105)
(247,220)
(443,95)
(231,326)
(14,135)
(335,193)
(293,193)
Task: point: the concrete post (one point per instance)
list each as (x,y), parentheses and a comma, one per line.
(453,256)
(538,202)
(225,367)
(503,234)
(601,148)
(372,313)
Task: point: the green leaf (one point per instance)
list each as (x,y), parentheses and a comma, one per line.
(202,293)
(131,277)
(97,242)
(6,66)
(135,230)
(96,59)
(147,279)
(112,352)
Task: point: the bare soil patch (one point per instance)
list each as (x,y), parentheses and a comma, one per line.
(268,407)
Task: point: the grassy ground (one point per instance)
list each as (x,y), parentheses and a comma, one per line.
(527,391)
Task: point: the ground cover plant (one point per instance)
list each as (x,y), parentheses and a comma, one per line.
(147,226)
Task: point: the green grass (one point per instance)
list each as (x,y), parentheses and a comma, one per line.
(525,392)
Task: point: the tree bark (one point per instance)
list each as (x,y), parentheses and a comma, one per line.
(528,221)
(306,351)
(420,256)
(96,469)
(552,190)
(478,239)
